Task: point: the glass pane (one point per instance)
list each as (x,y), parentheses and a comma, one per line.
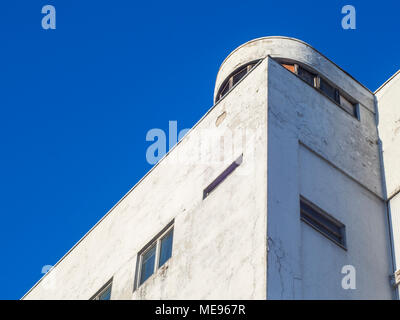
(105,295)
(148,260)
(328,89)
(239,75)
(322,223)
(166,248)
(306,76)
(225,89)
(323,229)
(347,105)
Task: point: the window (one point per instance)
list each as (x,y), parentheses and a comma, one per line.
(347,105)
(329,90)
(322,222)
(166,248)
(324,87)
(104,293)
(155,254)
(222,177)
(307,76)
(147,265)
(234,78)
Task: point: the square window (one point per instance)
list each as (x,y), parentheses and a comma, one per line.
(155,254)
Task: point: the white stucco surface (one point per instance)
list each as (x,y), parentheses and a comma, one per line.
(302,264)
(388,103)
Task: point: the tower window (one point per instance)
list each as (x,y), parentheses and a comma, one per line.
(233,79)
(307,76)
(154,255)
(329,90)
(324,87)
(322,222)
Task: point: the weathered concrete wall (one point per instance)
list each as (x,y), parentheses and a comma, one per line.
(388,105)
(301,262)
(394,209)
(219,246)
(367,235)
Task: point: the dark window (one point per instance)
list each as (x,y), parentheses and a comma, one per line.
(234,78)
(329,90)
(147,265)
(225,89)
(306,76)
(104,293)
(222,177)
(322,222)
(166,248)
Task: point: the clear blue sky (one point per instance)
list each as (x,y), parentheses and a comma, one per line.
(76,102)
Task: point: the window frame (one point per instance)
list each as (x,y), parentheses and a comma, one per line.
(324,216)
(160,242)
(156,241)
(103,289)
(141,257)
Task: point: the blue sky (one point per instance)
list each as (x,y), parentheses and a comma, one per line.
(76,102)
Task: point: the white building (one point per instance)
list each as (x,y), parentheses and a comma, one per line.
(290,178)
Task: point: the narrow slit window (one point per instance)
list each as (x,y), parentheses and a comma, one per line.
(322,222)
(222,176)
